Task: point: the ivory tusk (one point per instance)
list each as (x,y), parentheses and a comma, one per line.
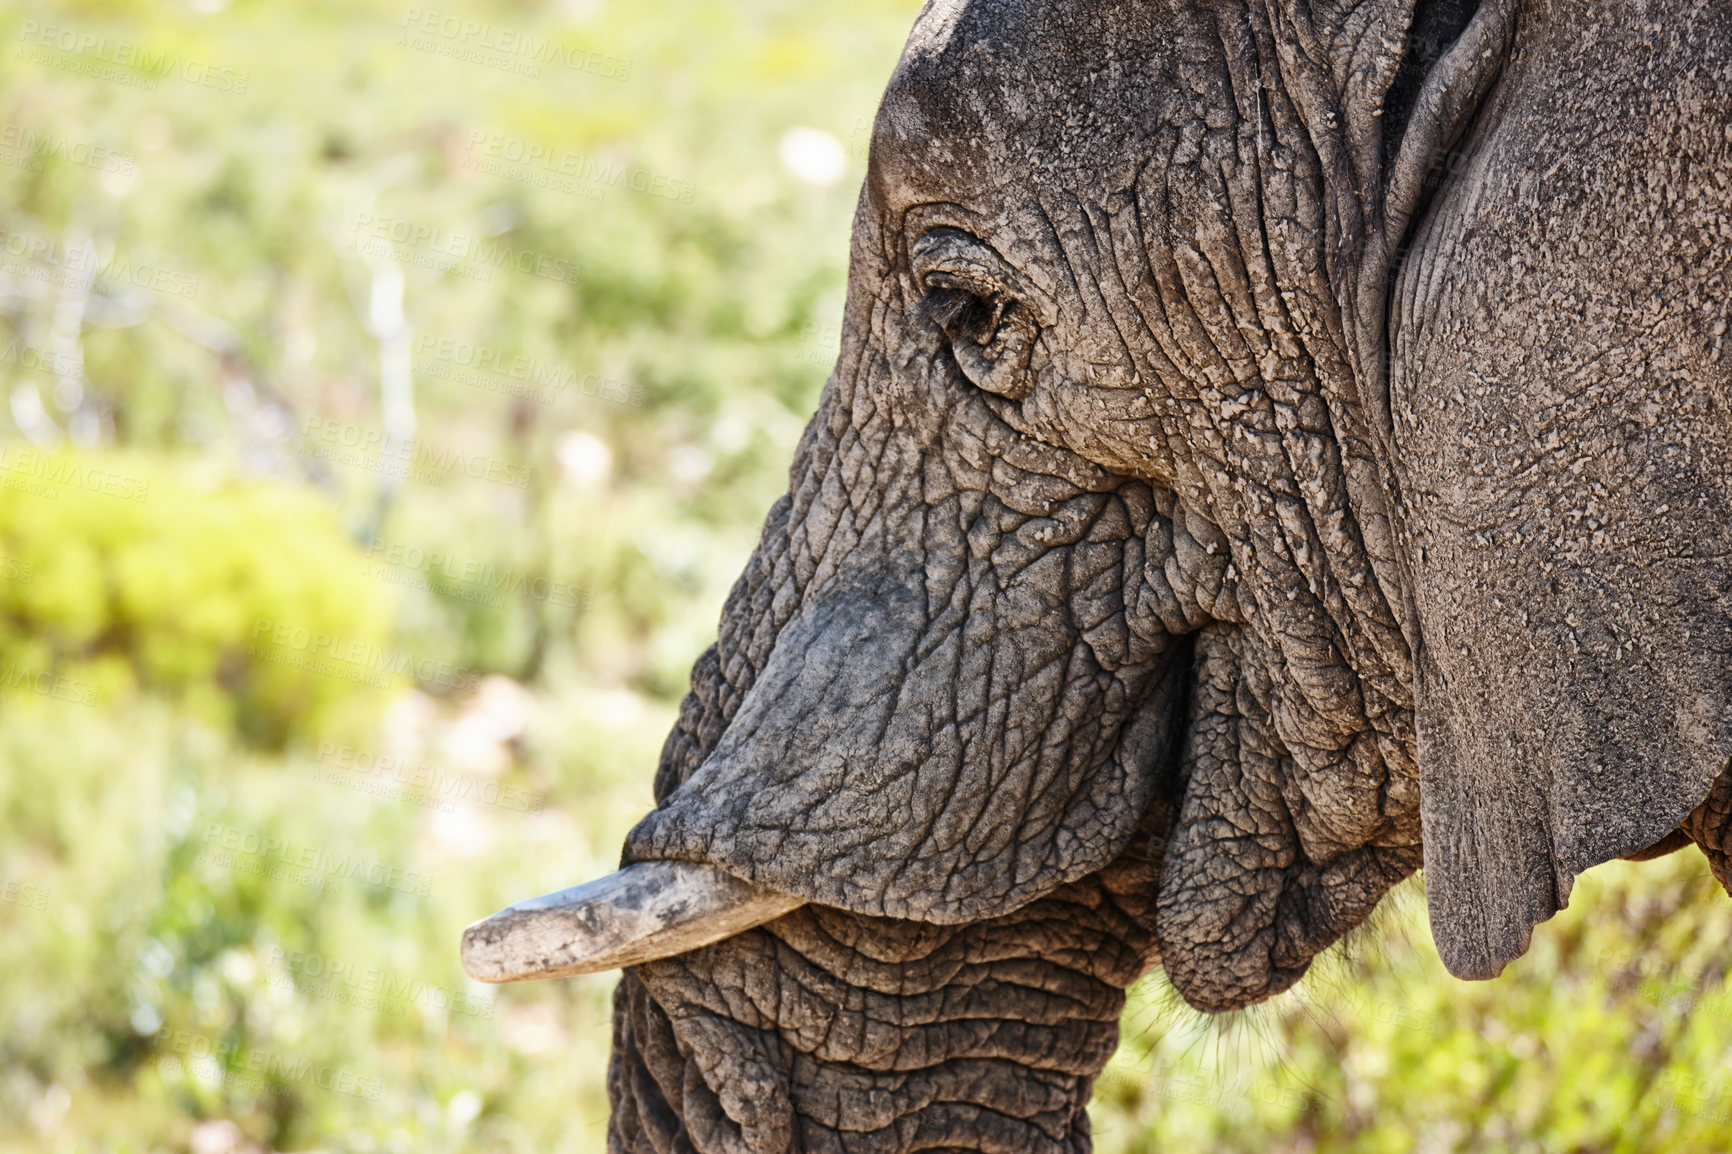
(647,910)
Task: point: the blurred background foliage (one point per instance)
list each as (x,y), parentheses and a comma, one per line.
(392,395)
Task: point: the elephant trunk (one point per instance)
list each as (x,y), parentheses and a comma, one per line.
(828,1031)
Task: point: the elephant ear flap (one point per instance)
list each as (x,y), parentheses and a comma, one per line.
(1545,749)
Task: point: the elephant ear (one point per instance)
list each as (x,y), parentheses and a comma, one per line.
(1563,427)
(1385,88)
(1573,703)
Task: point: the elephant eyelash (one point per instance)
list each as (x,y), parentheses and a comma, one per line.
(961,310)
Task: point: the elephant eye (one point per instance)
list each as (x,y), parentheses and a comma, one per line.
(990,332)
(964,311)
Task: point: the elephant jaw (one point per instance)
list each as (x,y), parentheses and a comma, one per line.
(641,913)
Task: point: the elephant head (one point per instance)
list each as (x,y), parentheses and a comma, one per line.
(1224,503)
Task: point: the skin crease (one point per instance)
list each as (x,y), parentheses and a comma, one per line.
(1128,605)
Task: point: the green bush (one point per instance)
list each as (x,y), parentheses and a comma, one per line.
(194,933)
(242,599)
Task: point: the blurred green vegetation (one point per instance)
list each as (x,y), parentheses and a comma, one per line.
(1610,1035)
(391,405)
(126,570)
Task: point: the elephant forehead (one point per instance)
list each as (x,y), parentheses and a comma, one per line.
(990,95)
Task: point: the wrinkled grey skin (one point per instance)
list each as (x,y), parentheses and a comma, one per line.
(1274,446)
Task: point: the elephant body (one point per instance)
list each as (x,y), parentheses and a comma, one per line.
(1275,445)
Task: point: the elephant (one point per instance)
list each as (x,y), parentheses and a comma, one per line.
(1276,445)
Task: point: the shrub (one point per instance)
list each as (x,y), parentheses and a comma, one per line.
(242,599)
